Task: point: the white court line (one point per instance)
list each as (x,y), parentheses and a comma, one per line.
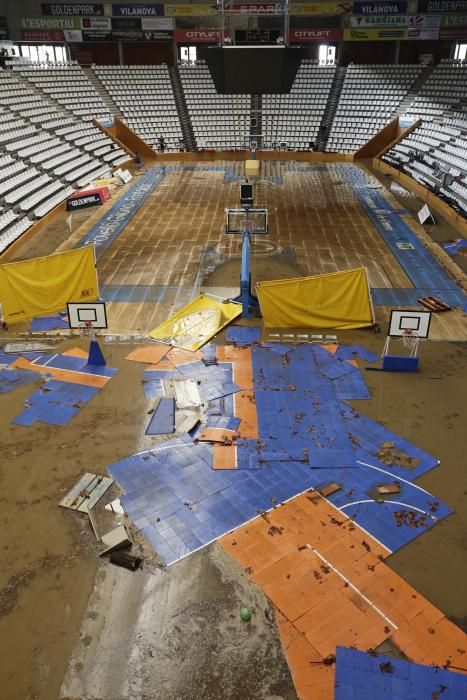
(349,583)
(396,503)
(399,478)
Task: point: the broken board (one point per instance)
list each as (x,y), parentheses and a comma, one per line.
(86,493)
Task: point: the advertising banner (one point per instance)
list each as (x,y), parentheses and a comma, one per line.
(411,21)
(44,35)
(374,34)
(257,36)
(259,9)
(84,200)
(453,33)
(43,286)
(195,10)
(94,35)
(320,8)
(197,36)
(298,36)
(423,34)
(436,6)
(100,24)
(126,24)
(81,9)
(144,10)
(73,36)
(367,7)
(50,23)
(157,23)
(454,21)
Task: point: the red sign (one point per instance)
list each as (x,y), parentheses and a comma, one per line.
(270,8)
(303,35)
(42,35)
(453,32)
(198,36)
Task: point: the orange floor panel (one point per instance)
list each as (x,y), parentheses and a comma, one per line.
(244,401)
(330,586)
(63,375)
(176,357)
(150,354)
(220,435)
(76,352)
(224,456)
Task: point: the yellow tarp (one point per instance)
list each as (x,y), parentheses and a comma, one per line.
(340,300)
(45,285)
(196,322)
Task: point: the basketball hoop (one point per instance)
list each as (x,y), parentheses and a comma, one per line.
(86,329)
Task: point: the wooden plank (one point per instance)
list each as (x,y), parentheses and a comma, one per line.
(86,493)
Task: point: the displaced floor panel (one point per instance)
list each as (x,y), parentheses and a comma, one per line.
(86,493)
(329,582)
(196,323)
(163,419)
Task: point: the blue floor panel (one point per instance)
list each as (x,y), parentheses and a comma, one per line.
(307,438)
(163,419)
(55,402)
(48,323)
(360,676)
(12,379)
(243,335)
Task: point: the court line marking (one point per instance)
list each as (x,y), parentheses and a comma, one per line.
(399,478)
(354,588)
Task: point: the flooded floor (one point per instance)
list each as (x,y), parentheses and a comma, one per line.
(67,617)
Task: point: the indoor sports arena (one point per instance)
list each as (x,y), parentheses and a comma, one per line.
(233,367)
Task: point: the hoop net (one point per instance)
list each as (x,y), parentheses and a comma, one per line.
(86,329)
(409,339)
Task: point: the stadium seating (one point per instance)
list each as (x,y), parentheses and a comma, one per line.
(442,92)
(145,98)
(219,121)
(46,151)
(293,120)
(369,99)
(435,154)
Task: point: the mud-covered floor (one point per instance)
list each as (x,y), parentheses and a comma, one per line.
(109,634)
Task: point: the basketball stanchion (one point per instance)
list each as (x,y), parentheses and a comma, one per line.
(411,327)
(87,317)
(246,221)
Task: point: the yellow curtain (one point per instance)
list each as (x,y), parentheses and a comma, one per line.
(45,285)
(340,300)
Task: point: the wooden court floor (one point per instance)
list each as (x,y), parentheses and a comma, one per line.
(171,247)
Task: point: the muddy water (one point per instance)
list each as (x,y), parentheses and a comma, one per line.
(49,554)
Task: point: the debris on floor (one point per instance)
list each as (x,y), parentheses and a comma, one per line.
(20,348)
(329,489)
(86,492)
(115,539)
(386,489)
(115,507)
(434,304)
(127,561)
(390,455)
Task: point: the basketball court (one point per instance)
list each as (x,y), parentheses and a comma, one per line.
(158,246)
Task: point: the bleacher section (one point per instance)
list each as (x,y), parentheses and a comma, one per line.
(45,154)
(435,154)
(369,99)
(145,97)
(219,121)
(293,121)
(444,91)
(68,85)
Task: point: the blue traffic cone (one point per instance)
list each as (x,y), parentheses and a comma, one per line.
(95,354)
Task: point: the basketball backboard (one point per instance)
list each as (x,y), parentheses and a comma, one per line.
(255,220)
(87,314)
(413,323)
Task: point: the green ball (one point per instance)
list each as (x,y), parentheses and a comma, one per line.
(245,614)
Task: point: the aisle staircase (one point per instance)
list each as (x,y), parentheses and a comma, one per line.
(102,92)
(330,109)
(414,90)
(256,128)
(182,109)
